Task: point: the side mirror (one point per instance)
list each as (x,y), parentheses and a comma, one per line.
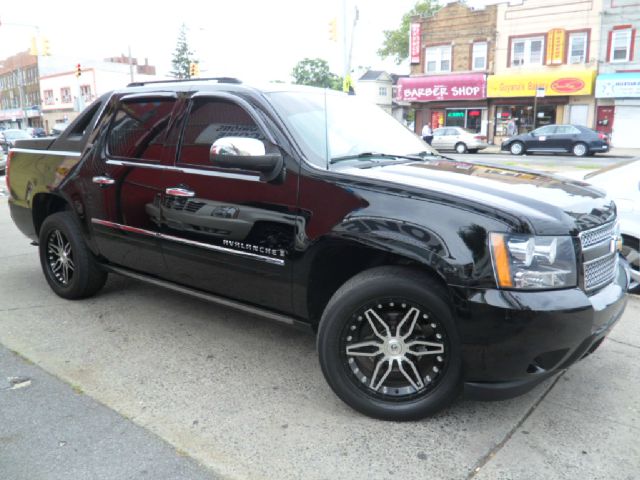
(248,154)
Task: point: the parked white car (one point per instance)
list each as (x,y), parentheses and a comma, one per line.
(622,183)
(458,139)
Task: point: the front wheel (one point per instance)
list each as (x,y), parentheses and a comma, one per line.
(516,148)
(388,345)
(67,263)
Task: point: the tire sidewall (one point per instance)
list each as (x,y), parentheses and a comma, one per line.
(62,221)
(340,310)
(460,148)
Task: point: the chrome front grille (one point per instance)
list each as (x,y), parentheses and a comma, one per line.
(589,238)
(599,256)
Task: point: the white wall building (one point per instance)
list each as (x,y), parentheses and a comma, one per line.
(376,86)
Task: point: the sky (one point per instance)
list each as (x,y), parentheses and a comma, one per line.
(250,39)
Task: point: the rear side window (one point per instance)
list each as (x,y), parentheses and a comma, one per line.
(139,128)
(210,120)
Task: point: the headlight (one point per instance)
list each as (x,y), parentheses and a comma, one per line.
(533,263)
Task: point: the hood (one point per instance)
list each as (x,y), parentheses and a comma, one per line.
(551,205)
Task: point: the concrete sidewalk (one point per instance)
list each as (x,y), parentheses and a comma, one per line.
(49,430)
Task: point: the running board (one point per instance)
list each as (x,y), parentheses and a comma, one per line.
(209,297)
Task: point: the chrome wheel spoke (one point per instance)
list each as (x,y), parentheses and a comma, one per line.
(411,317)
(70,264)
(376,382)
(377,324)
(364,349)
(55,266)
(65,273)
(420,348)
(412,375)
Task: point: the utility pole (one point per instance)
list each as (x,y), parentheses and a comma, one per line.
(130,64)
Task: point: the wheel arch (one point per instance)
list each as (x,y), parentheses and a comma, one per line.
(335,262)
(44,205)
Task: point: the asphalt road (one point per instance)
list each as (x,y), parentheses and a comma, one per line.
(246,399)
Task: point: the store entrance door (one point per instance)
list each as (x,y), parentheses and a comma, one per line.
(437,118)
(604,119)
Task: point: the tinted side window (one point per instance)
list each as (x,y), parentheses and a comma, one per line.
(567,130)
(138,129)
(209,120)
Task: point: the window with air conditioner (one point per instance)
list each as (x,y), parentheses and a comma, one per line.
(621,45)
(578,48)
(479,56)
(438,59)
(527,51)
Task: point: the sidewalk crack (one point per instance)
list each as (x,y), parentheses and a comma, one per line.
(623,343)
(496,448)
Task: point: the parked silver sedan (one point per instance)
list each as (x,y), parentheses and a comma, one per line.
(458,139)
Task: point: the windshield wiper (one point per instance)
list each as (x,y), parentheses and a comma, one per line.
(371,155)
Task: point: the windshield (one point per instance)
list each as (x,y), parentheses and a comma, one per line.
(352,127)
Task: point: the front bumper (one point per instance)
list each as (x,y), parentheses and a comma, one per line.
(514,340)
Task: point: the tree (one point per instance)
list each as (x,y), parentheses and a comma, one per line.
(315,72)
(396,42)
(182,56)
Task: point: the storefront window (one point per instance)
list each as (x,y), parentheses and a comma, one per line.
(469,118)
(523,116)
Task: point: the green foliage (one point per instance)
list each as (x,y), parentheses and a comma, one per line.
(396,42)
(182,56)
(315,72)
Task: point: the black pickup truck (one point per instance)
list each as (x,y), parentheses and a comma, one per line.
(422,276)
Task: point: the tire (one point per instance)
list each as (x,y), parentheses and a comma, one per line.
(67,263)
(516,148)
(402,385)
(580,149)
(461,147)
(631,252)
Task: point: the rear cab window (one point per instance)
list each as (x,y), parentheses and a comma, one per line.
(138,128)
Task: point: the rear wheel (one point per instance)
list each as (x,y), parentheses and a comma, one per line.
(516,148)
(580,149)
(388,345)
(461,148)
(67,263)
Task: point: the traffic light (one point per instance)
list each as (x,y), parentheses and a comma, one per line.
(194,69)
(78,70)
(333,30)
(33,50)
(45,49)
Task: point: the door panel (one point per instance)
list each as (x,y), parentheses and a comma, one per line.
(235,236)
(123,177)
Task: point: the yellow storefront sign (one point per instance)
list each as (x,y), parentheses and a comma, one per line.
(555,46)
(554,83)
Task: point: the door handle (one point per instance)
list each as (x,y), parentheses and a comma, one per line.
(103,180)
(179,192)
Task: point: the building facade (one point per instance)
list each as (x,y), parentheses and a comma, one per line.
(451,54)
(19,92)
(546,60)
(376,86)
(618,82)
(65,94)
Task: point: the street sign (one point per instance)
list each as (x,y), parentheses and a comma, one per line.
(540,91)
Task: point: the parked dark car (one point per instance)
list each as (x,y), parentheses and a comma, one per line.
(9,137)
(422,276)
(36,132)
(575,139)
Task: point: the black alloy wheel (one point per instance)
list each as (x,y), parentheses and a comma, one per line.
(67,263)
(388,344)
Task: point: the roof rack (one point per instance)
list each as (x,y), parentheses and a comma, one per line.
(217,79)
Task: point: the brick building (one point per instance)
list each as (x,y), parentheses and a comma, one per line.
(20,92)
(452,52)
